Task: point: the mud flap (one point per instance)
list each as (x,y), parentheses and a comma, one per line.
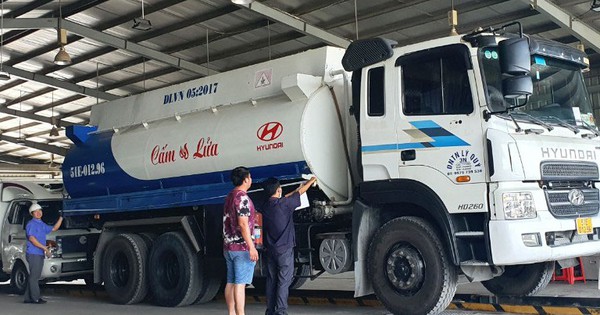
(365,222)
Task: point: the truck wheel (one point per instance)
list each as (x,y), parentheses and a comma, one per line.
(301,270)
(521,280)
(124,269)
(209,290)
(260,284)
(19,278)
(175,275)
(410,269)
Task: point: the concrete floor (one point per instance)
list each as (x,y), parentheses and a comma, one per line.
(81,302)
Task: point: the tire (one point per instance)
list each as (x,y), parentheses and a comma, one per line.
(18,278)
(175,273)
(410,269)
(209,290)
(521,280)
(260,284)
(301,270)
(149,238)
(124,269)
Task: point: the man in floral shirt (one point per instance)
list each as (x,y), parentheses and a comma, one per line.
(238,245)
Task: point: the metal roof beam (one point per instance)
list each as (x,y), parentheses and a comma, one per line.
(298,24)
(59,84)
(11,159)
(36,145)
(44,119)
(585,33)
(106,39)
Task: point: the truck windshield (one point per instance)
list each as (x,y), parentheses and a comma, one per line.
(559,93)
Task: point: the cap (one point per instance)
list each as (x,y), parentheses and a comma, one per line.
(35,206)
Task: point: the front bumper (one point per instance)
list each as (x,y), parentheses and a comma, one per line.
(61,268)
(507,245)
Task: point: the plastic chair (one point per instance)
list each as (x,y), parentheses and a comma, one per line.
(571,275)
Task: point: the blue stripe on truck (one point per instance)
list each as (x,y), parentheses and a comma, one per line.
(189,190)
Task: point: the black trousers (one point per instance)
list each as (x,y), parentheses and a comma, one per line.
(36,263)
(280,272)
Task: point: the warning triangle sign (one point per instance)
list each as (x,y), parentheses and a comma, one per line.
(263,78)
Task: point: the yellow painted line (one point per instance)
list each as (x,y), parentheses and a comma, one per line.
(521,309)
(479,307)
(318,301)
(453,306)
(555,310)
(374,303)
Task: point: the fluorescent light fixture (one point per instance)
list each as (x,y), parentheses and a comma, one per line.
(4,76)
(62,58)
(242,2)
(141,24)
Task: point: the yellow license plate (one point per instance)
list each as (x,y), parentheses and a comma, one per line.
(584,226)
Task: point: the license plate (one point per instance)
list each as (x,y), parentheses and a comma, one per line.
(584,226)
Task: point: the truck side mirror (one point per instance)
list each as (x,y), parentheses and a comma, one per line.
(515,65)
(515,58)
(517,86)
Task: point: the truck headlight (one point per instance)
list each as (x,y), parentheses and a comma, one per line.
(518,205)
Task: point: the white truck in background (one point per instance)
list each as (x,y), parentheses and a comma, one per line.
(71,256)
(472,155)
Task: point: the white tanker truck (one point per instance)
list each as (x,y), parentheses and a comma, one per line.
(469,155)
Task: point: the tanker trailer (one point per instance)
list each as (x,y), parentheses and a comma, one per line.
(154,170)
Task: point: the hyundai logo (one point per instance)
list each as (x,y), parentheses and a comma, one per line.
(269,131)
(576,197)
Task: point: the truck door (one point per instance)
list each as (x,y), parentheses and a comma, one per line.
(377,124)
(13,232)
(439,130)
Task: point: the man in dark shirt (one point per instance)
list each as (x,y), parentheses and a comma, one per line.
(278,217)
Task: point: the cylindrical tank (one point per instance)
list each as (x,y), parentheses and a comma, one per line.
(273,137)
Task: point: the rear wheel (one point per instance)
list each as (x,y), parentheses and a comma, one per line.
(300,272)
(124,269)
(260,284)
(521,280)
(19,278)
(210,288)
(410,269)
(175,274)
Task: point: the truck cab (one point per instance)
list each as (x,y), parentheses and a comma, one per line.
(69,247)
(486,145)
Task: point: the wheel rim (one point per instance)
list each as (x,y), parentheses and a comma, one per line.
(119,270)
(168,270)
(20,278)
(333,254)
(405,269)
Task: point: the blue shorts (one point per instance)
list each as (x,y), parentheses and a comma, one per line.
(240,269)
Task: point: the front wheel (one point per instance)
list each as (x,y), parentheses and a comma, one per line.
(19,278)
(521,280)
(410,269)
